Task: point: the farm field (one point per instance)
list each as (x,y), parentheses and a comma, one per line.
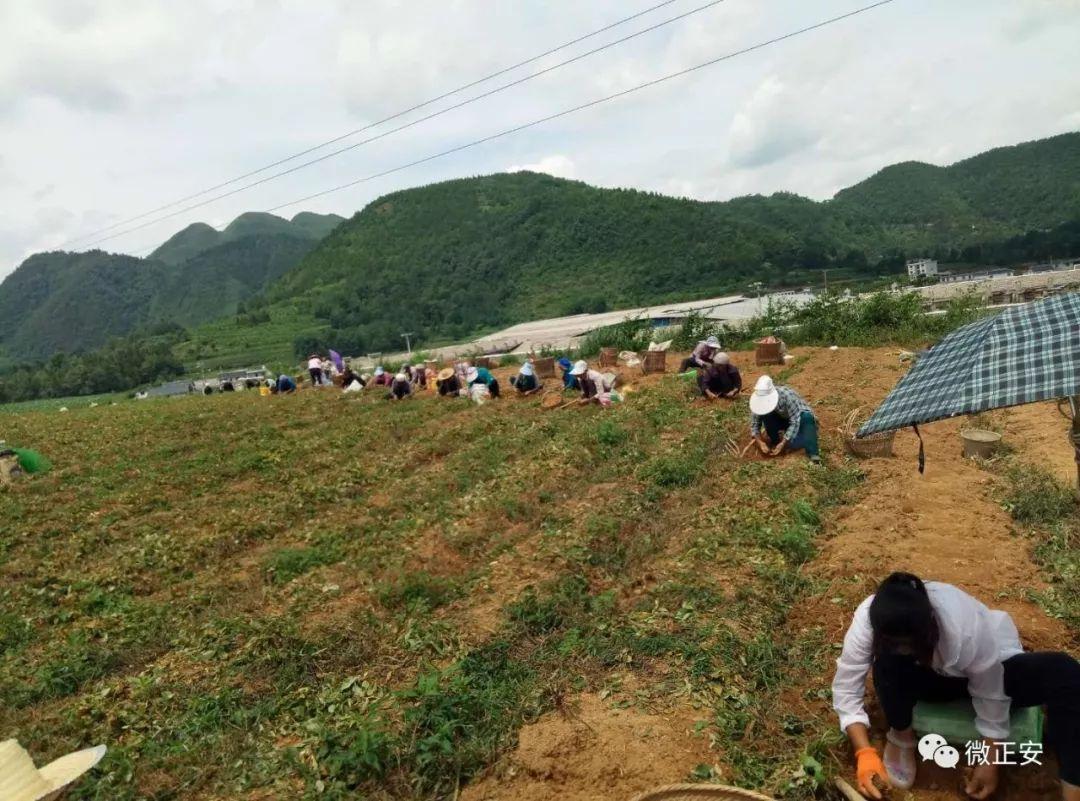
(319,596)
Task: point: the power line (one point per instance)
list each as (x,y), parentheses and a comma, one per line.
(583,106)
(403,127)
(375,124)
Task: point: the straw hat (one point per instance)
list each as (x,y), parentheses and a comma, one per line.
(765,397)
(401,377)
(579,368)
(21,781)
(445,373)
(721,358)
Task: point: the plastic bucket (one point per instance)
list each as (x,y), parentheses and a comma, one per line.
(980,443)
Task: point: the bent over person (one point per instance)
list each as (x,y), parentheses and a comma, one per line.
(934,642)
(781,420)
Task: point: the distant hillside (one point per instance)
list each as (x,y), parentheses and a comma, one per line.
(198,238)
(1008,190)
(456,257)
(77,301)
(452,259)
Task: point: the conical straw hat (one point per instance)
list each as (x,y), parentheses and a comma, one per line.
(21,781)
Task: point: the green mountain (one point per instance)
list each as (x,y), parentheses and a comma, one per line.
(198,238)
(454,258)
(1008,190)
(77,301)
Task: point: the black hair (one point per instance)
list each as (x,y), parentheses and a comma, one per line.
(901,613)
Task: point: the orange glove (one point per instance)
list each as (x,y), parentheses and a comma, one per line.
(870,766)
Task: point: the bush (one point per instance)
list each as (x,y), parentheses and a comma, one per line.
(632,335)
(1036,497)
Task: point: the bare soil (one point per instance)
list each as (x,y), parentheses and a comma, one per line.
(945,525)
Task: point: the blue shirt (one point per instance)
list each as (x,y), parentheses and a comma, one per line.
(790,408)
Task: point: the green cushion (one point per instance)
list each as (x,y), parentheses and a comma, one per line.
(955,722)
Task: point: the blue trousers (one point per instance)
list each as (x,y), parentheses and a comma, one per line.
(806,439)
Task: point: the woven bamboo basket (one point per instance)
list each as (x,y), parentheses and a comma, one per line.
(609,357)
(700,792)
(653,361)
(874,446)
(545,366)
(768,353)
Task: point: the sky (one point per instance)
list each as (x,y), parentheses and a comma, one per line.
(112,108)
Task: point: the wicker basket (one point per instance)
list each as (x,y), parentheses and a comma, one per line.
(545,366)
(653,361)
(769,353)
(700,792)
(609,357)
(874,446)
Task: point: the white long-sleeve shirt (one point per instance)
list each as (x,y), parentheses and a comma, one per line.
(973,641)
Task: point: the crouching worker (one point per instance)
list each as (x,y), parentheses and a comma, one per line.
(702,355)
(569,380)
(285,385)
(400,387)
(781,421)
(596,387)
(526,382)
(934,642)
(482,375)
(721,380)
(447,383)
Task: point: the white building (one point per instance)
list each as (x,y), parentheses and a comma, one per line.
(922,268)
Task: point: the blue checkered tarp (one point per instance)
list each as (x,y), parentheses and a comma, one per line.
(1021,355)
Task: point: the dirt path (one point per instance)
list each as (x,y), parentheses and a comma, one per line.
(944,525)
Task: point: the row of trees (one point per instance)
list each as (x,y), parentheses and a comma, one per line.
(121,365)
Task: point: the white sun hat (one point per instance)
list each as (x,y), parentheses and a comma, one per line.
(765,396)
(401,377)
(579,368)
(471,374)
(712,342)
(527,369)
(21,781)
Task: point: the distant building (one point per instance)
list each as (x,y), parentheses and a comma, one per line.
(170,389)
(973,275)
(922,268)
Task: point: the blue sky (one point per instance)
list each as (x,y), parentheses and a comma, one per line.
(111,107)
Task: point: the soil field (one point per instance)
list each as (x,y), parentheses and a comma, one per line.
(325,596)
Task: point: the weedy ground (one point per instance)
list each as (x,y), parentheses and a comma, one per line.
(318,596)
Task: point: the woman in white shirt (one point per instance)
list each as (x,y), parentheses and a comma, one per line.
(934,642)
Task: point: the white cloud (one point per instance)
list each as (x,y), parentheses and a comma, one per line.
(558,165)
(111,107)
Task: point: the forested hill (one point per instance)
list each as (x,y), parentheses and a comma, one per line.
(1014,189)
(451,258)
(200,237)
(77,301)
